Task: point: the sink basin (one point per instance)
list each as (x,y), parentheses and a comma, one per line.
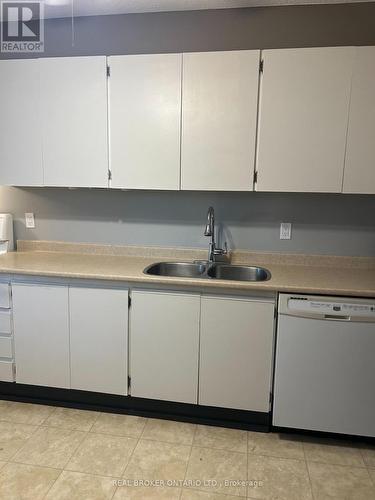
(177,269)
(208,271)
(238,273)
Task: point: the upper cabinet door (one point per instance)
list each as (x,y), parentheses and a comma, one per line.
(304,105)
(74,106)
(219,107)
(359,174)
(20,130)
(145,121)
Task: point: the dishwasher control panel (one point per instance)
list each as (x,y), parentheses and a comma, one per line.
(327,307)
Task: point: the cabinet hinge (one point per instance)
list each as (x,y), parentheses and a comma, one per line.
(109,175)
(129,382)
(129,301)
(255,177)
(108,71)
(261,66)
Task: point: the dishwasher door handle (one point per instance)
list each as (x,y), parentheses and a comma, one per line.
(332,317)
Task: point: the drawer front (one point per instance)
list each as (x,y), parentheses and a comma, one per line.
(6,347)
(6,371)
(5,322)
(4,295)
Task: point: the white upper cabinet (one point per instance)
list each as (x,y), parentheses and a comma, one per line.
(145,121)
(20,129)
(219,111)
(304,105)
(359,175)
(74,118)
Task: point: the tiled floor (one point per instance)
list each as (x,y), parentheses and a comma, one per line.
(58,454)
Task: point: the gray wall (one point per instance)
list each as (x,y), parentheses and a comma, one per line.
(338,224)
(225,29)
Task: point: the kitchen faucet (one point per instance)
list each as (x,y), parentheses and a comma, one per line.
(215,254)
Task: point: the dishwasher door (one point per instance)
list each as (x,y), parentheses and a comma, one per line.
(325,365)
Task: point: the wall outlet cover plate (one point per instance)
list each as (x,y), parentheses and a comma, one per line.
(30,220)
(285,231)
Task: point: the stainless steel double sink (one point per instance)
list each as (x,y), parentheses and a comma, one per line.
(208,270)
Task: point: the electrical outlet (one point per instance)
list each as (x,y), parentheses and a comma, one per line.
(285,231)
(30,221)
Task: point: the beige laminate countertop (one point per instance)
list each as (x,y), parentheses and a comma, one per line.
(330,275)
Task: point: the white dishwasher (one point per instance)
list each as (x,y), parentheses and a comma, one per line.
(325,365)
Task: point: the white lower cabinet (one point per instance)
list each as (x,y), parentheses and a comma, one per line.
(236,351)
(5,293)
(6,335)
(6,371)
(71,337)
(99,340)
(230,338)
(164,346)
(183,347)
(41,334)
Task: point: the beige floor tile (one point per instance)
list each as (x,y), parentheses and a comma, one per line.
(221,438)
(329,451)
(146,492)
(340,482)
(13,437)
(2,464)
(188,494)
(278,478)
(70,418)
(24,413)
(50,447)
(153,460)
(119,425)
(216,467)
(21,482)
(368,455)
(275,445)
(169,431)
(372,475)
(103,455)
(78,486)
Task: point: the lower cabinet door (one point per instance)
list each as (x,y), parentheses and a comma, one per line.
(236,351)
(99,339)
(164,345)
(41,334)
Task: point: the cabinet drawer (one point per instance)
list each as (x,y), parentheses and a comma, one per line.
(6,371)
(6,347)
(5,322)
(4,295)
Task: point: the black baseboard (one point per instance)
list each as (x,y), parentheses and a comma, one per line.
(324,435)
(208,415)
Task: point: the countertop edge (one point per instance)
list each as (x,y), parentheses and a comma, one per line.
(197,283)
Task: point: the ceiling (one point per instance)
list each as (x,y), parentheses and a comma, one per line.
(65,8)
